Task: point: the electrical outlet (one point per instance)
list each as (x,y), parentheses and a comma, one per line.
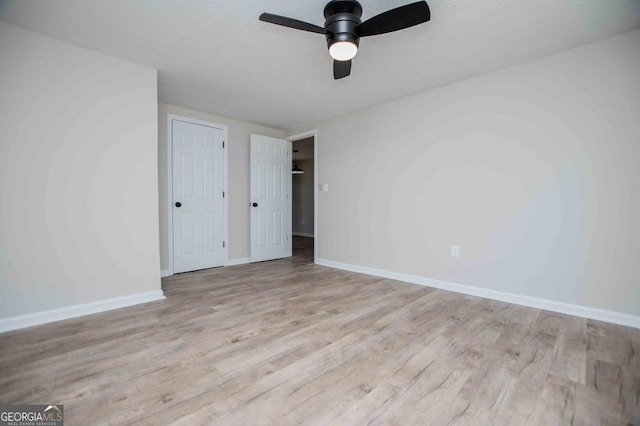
(455,250)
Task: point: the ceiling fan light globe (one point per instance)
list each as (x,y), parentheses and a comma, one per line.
(343,50)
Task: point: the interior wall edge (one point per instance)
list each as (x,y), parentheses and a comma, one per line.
(74,311)
(582,311)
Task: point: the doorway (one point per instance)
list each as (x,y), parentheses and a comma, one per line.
(303,217)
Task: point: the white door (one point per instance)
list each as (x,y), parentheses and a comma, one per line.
(198,197)
(270,201)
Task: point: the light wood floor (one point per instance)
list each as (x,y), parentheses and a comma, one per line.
(290,342)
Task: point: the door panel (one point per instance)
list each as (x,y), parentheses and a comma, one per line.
(210,237)
(188,233)
(198,185)
(271,191)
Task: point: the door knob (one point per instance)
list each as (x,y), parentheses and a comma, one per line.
(255,204)
(178,204)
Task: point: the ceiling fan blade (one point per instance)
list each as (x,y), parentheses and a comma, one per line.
(341,69)
(291,23)
(396,19)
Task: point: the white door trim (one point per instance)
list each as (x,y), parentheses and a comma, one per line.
(297,137)
(170,119)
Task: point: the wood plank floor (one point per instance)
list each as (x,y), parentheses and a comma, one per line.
(289,342)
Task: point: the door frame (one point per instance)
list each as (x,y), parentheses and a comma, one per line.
(294,138)
(170,119)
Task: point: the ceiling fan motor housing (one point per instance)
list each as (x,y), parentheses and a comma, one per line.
(342,20)
(343,27)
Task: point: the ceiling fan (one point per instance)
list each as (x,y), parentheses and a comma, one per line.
(343,27)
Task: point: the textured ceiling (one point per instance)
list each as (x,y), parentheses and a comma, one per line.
(215,56)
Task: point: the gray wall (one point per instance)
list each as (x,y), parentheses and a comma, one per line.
(78,175)
(303,199)
(532,170)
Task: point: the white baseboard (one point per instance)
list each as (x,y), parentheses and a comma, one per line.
(518,299)
(38,318)
(238,261)
(165,273)
(302,234)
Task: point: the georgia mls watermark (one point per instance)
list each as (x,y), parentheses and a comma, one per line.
(31,415)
